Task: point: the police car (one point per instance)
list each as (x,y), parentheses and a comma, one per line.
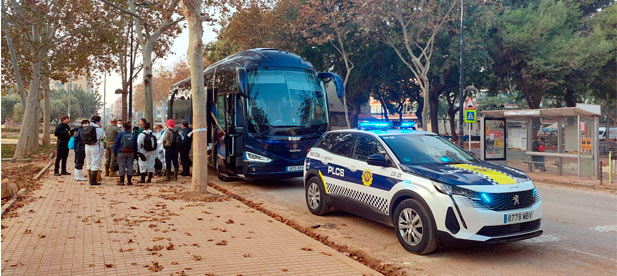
(427,188)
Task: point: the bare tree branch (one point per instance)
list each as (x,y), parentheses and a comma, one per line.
(131,13)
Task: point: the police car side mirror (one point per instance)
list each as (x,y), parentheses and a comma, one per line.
(377,160)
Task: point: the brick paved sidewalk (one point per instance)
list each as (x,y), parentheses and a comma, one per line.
(76,229)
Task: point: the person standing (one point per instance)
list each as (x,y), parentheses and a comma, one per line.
(80,152)
(185,148)
(93,136)
(63,132)
(148,147)
(111,132)
(170,144)
(125,149)
(161,151)
(141,125)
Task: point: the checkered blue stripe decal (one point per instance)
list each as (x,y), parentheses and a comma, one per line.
(378,203)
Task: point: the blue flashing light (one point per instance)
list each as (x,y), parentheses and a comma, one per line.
(408,124)
(534,192)
(380,125)
(485,196)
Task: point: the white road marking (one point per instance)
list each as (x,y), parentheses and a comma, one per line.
(591,254)
(545,238)
(606,228)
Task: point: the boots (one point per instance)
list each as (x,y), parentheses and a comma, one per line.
(121,182)
(167,175)
(78,175)
(175,175)
(149,177)
(92,177)
(128,182)
(106,171)
(143,178)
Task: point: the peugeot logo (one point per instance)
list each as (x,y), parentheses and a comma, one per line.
(515,199)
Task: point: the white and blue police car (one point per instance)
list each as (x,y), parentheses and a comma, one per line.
(427,188)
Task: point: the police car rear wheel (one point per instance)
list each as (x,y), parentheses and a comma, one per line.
(316,197)
(415,228)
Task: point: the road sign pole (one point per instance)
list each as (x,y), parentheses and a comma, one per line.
(469,124)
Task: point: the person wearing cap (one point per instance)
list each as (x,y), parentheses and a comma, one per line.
(171,149)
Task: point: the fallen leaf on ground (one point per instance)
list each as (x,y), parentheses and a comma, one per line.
(284,270)
(229,221)
(170,246)
(197,245)
(133,207)
(42,236)
(28,231)
(246,255)
(84,220)
(223,242)
(187,233)
(109,265)
(325,253)
(306,249)
(126,250)
(97,221)
(174,263)
(130,240)
(91,265)
(155,267)
(196,257)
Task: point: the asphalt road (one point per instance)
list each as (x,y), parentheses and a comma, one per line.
(580,234)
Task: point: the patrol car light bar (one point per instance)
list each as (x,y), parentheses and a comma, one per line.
(366,125)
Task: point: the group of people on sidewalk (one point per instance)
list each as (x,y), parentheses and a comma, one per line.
(122,145)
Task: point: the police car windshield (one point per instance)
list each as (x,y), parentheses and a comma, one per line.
(426,149)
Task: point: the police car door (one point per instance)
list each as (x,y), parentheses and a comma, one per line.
(335,162)
(373,182)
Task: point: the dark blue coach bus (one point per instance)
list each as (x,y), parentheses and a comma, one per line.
(266,109)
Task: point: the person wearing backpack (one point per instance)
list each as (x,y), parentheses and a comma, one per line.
(171,142)
(80,152)
(63,132)
(185,149)
(147,147)
(125,149)
(93,136)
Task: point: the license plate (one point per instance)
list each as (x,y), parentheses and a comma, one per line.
(517,217)
(295,168)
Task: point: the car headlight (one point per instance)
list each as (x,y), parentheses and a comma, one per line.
(455,190)
(254,157)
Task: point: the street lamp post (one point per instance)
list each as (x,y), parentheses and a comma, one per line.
(130,115)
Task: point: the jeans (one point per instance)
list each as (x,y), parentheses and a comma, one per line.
(171,156)
(125,163)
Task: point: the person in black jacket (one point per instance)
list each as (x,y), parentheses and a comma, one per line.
(63,132)
(80,152)
(185,148)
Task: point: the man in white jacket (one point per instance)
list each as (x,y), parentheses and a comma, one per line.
(95,151)
(148,147)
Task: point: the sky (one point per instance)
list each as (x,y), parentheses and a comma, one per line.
(179,48)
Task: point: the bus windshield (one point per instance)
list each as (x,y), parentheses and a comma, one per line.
(285,97)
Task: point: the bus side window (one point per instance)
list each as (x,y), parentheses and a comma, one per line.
(220,111)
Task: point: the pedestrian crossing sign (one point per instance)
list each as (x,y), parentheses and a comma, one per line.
(470,116)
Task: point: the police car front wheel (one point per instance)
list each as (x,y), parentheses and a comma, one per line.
(415,228)
(316,197)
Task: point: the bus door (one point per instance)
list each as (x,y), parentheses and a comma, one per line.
(219,150)
(234,130)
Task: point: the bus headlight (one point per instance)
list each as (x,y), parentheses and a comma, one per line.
(455,190)
(254,157)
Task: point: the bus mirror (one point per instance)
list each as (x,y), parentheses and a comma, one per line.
(338,82)
(243,84)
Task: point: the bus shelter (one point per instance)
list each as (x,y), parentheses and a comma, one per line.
(568,137)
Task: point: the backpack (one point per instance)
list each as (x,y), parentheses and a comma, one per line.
(127,142)
(72,142)
(88,135)
(149,142)
(176,140)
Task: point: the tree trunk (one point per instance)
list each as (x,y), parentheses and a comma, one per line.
(146,53)
(124,104)
(570,98)
(46,111)
(192,11)
(420,111)
(9,43)
(434,110)
(453,126)
(426,104)
(28,135)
